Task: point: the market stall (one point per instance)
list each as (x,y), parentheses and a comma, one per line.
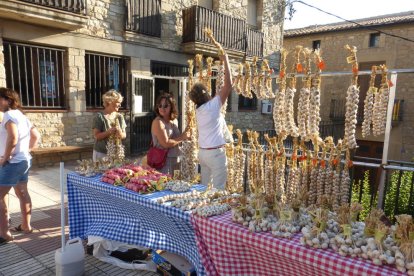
(116,213)
(234,250)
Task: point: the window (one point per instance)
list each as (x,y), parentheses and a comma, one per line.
(159,68)
(374,40)
(102,74)
(36,73)
(144,17)
(213,91)
(247,103)
(208,4)
(252,13)
(316,44)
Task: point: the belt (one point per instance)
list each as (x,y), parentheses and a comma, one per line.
(218,147)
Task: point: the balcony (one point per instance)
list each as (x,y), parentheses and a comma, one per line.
(234,34)
(68,15)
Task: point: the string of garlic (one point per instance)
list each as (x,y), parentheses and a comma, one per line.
(346,179)
(189,148)
(369,104)
(303,110)
(267,72)
(279,103)
(240,163)
(352,100)
(385,93)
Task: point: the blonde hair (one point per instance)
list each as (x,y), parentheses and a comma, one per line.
(111,96)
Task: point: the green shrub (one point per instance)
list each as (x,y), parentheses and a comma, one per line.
(365,197)
(403,196)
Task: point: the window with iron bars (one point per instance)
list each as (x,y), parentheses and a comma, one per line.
(144,17)
(248,103)
(36,73)
(102,74)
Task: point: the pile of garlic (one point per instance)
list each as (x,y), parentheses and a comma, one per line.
(212,210)
(189,203)
(316,236)
(404,253)
(171,197)
(287,225)
(351,237)
(178,186)
(379,244)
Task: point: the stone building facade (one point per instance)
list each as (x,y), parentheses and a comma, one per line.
(374,47)
(99,29)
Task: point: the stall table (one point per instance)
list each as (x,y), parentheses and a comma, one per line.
(227,248)
(116,213)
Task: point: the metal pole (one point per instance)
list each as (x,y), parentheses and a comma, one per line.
(183,94)
(381,185)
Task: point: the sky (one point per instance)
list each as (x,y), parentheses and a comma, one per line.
(347,9)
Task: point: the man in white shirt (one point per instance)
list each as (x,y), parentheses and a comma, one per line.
(211,126)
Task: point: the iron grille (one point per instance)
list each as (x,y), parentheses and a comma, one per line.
(168,69)
(102,74)
(141,133)
(144,17)
(37,74)
(74,6)
(145,89)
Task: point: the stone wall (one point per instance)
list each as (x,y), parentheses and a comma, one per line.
(104,33)
(395,53)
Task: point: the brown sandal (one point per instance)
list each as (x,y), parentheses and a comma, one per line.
(20,229)
(4,241)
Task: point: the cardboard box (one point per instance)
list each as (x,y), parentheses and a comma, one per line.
(169,264)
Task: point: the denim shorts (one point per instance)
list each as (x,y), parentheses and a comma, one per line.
(14,173)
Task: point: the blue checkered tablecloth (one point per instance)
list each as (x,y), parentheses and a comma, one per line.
(116,213)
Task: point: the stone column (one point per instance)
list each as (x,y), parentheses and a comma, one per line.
(75,80)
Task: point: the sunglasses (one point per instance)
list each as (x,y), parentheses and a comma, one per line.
(163,105)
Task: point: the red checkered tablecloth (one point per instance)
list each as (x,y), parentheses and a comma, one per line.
(227,248)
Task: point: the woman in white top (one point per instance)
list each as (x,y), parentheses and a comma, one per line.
(211,128)
(18,137)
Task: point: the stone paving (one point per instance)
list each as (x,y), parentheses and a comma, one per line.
(33,254)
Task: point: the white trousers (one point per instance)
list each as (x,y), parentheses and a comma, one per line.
(213,167)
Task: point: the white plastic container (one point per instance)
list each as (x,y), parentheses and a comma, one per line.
(70,262)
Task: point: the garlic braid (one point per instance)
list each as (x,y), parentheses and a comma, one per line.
(369,105)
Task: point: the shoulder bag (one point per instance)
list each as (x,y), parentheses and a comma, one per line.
(156,157)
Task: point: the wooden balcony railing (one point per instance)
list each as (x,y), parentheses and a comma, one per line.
(73,6)
(232,33)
